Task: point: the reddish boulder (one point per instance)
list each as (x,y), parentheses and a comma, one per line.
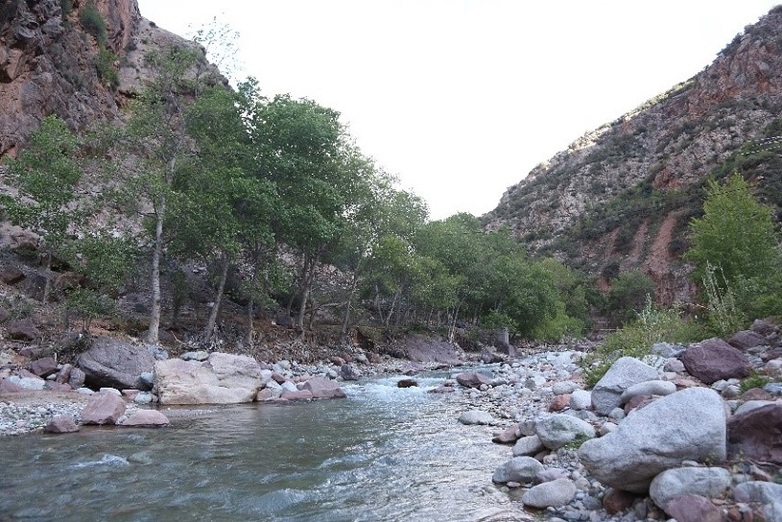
(472,379)
(103,408)
(61,424)
(301,395)
(146,419)
(616,500)
(693,508)
(324,388)
(746,339)
(23,330)
(559,402)
(756,394)
(508,435)
(11,275)
(714,359)
(43,367)
(757,434)
(407,383)
(6,386)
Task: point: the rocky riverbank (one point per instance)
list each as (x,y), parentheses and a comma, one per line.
(681,435)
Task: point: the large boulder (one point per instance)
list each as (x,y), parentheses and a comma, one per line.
(714,359)
(625,372)
(103,408)
(113,363)
(222,379)
(686,425)
(746,339)
(757,434)
(694,508)
(146,419)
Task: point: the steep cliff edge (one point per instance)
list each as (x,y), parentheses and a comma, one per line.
(50,63)
(620,197)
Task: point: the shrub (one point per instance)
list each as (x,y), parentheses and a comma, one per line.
(636,339)
(87,305)
(754,381)
(92,22)
(105,67)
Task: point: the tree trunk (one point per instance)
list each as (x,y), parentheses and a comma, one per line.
(210,324)
(157,253)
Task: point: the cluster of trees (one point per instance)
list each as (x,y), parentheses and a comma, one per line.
(275,191)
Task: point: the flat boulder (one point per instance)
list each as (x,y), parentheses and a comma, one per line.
(146,419)
(473,379)
(103,408)
(114,363)
(757,434)
(624,373)
(222,379)
(694,508)
(686,425)
(556,493)
(714,359)
(746,339)
(61,424)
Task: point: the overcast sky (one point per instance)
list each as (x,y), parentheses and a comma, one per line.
(462,98)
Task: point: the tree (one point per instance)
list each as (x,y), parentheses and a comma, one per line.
(736,234)
(46,174)
(735,248)
(157,143)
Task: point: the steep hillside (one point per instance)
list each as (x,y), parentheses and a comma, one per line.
(55,59)
(620,197)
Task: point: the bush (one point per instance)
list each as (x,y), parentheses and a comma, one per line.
(92,22)
(105,67)
(636,339)
(87,305)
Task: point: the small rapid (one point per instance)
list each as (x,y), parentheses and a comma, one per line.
(383,454)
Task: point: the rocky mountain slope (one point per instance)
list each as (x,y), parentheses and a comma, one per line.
(620,197)
(51,62)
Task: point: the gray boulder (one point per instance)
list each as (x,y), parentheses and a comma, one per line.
(686,425)
(518,469)
(559,429)
(528,446)
(672,483)
(656,387)
(111,362)
(550,494)
(473,379)
(222,379)
(607,393)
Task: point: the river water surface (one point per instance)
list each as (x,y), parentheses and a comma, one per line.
(382,454)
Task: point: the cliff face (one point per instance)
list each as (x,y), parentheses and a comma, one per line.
(621,196)
(49,63)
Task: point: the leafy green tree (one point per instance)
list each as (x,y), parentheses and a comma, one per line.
(629,294)
(735,234)
(300,147)
(46,175)
(735,248)
(157,144)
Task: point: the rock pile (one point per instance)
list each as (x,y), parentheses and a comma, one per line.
(670,436)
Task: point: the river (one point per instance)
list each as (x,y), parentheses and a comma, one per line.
(382,454)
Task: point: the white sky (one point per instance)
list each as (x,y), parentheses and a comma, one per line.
(462,98)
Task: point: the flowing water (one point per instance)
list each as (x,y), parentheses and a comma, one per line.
(382,454)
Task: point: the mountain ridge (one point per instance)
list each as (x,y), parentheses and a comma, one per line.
(619,197)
